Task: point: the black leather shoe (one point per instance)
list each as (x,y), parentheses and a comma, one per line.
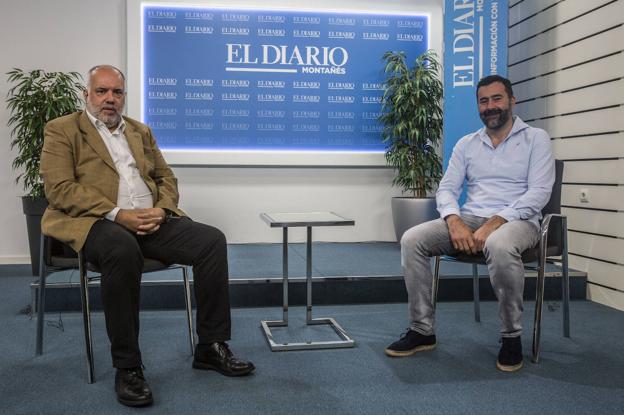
(131,388)
(217,356)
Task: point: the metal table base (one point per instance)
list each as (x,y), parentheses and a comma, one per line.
(345,340)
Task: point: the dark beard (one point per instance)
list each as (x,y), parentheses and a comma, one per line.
(498,122)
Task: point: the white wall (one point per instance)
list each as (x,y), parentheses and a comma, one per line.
(73,35)
(567,63)
(55,36)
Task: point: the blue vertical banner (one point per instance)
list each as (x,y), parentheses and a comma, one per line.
(475,45)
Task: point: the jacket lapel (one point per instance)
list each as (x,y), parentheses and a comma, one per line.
(135,143)
(92,137)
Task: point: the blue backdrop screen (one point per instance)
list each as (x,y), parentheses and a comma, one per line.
(267,79)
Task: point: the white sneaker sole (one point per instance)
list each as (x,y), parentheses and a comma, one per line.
(423,348)
(506,368)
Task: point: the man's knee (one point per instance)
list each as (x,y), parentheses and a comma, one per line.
(420,236)
(209,238)
(498,245)
(219,236)
(213,235)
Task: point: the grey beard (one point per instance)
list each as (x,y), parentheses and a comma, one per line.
(112,123)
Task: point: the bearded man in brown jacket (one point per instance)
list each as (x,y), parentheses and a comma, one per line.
(112,195)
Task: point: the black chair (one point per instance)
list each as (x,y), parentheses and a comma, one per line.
(553,243)
(56,256)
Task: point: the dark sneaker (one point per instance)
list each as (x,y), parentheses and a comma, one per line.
(411,342)
(510,355)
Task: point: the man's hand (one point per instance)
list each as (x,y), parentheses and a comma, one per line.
(461,234)
(141,221)
(481,234)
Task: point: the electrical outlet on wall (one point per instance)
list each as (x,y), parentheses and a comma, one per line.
(584,195)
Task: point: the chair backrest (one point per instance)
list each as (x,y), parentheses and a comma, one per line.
(554,206)
(58,255)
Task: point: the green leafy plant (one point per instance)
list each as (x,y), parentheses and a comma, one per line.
(36,98)
(412,121)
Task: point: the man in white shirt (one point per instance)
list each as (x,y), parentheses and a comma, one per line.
(112,194)
(509,171)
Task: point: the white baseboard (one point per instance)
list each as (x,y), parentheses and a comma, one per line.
(14,260)
(606,296)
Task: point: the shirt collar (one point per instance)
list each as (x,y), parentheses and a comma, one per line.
(99,124)
(518,125)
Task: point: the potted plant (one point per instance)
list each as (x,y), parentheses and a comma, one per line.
(35,98)
(412,130)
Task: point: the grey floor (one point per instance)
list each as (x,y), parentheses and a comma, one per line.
(583,374)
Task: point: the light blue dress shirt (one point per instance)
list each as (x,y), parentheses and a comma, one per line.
(513,180)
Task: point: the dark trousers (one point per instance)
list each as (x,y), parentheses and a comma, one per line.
(119,254)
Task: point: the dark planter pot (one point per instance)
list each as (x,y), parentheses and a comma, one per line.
(33,209)
(408,212)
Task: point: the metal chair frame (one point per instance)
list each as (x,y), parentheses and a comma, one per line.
(45,268)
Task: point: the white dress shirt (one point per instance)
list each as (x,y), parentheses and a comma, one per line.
(133,192)
(513,180)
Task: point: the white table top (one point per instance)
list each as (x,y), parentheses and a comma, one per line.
(295,219)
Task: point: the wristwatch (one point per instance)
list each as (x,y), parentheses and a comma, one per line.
(168,215)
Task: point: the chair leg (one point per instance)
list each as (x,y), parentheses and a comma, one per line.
(86,314)
(539,300)
(436,281)
(566,279)
(539,296)
(189,314)
(475,292)
(41,297)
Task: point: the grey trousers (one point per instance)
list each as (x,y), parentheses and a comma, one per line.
(503,249)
